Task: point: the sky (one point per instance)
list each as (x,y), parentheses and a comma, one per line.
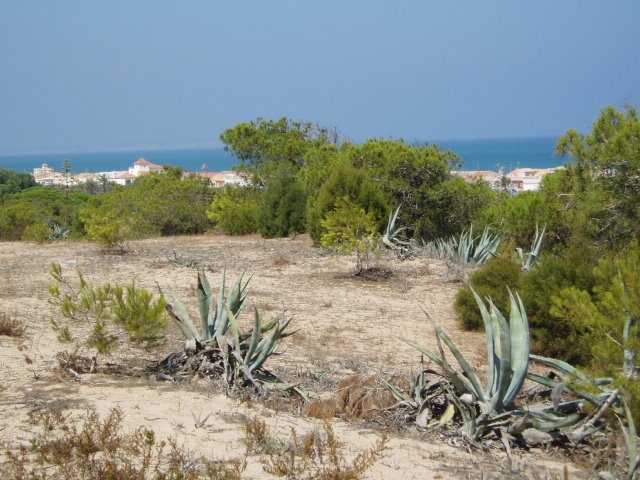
(86,75)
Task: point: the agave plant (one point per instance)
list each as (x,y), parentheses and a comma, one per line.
(238,357)
(528,260)
(466,248)
(508,355)
(58,232)
(214,317)
(493,405)
(393,239)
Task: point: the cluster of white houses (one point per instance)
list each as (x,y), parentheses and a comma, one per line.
(518,180)
(46,175)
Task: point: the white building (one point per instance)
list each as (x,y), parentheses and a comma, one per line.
(46,175)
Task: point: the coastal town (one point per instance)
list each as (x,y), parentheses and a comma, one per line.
(516,181)
(45,175)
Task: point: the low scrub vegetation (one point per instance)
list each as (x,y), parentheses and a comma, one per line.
(105,315)
(95,448)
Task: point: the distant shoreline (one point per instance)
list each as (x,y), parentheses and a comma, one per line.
(477,154)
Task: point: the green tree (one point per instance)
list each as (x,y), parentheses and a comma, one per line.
(282,206)
(610,157)
(13,182)
(346,181)
(412,176)
(262,144)
(349,228)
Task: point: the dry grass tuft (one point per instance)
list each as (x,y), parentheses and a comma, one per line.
(363,397)
(281,261)
(324,409)
(11,327)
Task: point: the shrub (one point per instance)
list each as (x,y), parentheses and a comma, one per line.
(234,209)
(320,456)
(349,229)
(346,181)
(282,207)
(110,311)
(37,232)
(99,449)
(109,230)
(11,327)
(488,281)
(553,335)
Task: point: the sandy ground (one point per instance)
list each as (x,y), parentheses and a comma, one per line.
(344,326)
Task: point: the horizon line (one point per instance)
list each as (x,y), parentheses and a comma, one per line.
(206,146)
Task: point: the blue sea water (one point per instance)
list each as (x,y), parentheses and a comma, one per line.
(192,160)
(508,153)
(476,154)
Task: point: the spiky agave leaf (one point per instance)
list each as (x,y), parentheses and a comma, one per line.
(179,314)
(203,294)
(460,382)
(520,347)
(477,390)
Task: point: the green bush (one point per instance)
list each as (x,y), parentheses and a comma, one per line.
(489,281)
(351,182)
(37,232)
(349,229)
(38,206)
(551,335)
(112,313)
(282,207)
(234,209)
(109,230)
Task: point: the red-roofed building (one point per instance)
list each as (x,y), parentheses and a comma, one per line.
(142,165)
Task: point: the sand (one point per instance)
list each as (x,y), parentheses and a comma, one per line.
(345,326)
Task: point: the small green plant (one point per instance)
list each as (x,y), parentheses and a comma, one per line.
(106,313)
(347,229)
(58,232)
(98,449)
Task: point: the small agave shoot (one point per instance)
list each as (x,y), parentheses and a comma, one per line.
(218,348)
(528,260)
(393,239)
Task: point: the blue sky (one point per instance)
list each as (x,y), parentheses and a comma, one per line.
(84,75)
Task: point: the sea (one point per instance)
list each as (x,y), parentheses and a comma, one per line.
(476,154)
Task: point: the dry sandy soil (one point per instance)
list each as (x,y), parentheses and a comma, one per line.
(345,326)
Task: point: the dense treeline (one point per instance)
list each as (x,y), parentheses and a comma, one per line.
(298,173)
